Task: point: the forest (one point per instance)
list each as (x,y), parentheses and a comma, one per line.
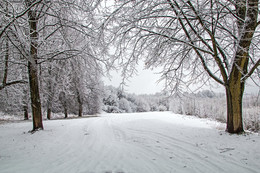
(55,53)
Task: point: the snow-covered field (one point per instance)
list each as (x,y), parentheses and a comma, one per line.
(159,142)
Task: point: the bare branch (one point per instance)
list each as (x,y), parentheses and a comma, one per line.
(251,71)
(195,48)
(12,83)
(214,43)
(18,16)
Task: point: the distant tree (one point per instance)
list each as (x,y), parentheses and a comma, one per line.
(64,103)
(194,42)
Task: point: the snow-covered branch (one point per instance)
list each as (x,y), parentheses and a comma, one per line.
(21,14)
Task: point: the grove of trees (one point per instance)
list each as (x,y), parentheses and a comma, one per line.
(49,54)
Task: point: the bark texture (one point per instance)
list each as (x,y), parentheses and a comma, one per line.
(32,70)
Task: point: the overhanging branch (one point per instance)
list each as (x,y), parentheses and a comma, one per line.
(12,83)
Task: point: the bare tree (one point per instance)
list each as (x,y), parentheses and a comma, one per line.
(194,42)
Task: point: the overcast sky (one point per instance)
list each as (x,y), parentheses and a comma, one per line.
(146,82)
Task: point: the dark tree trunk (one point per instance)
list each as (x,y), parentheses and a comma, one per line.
(65,112)
(25,93)
(234,97)
(35,97)
(6,53)
(32,70)
(80,104)
(48,113)
(50,93)
(6,63)
(80,110)
(25,112)
(63,99)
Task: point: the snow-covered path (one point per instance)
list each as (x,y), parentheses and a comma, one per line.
(127,143)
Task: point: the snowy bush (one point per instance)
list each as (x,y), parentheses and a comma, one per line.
(251,113)
(162,108)
(142,105)
(133,106)
(252,119)
(124,105)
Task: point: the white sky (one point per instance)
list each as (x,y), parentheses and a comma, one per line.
(146,82)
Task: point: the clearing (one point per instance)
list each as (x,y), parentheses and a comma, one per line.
(157,142)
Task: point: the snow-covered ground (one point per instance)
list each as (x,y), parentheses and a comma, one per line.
(159,142)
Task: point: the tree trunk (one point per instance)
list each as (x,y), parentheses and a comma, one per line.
(48,113)
(35,97)
(25,112)
(234,96)
(25,94)
(80,104)
(80,110)
(50,93)
(6,63)
(25,99)
(33,74)
(65,112)
(234,93)
(63,100)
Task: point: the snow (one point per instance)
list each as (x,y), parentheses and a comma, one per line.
(158,142)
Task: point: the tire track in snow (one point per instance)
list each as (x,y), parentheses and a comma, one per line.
(189,154)
(67,149)
(114,153)
(127,143)
(166,152)
(196,157)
